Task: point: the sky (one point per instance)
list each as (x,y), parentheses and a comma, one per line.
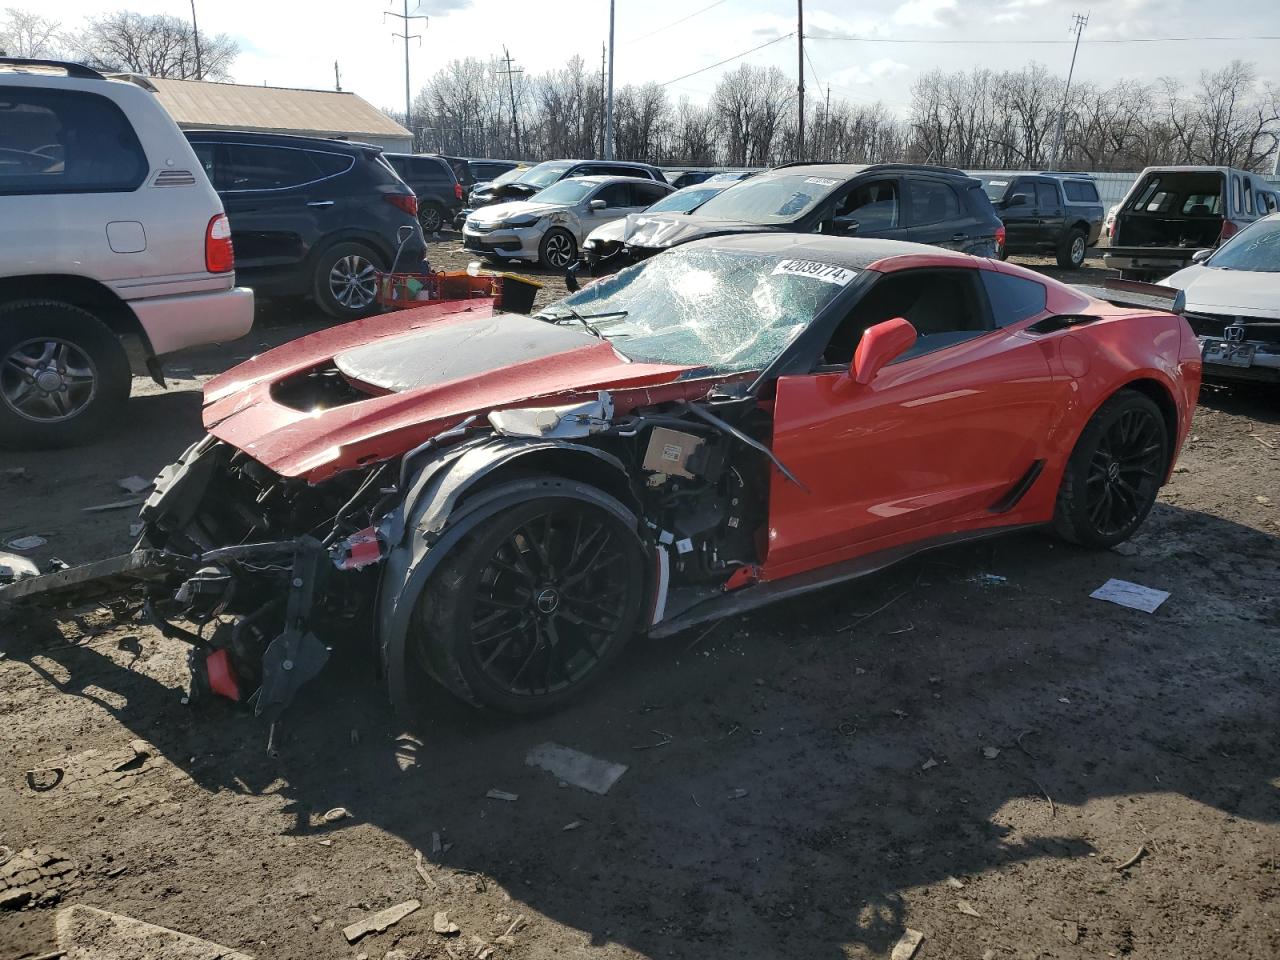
(292,43)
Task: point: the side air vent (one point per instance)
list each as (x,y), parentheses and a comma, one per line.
(174,178)
(1062,321)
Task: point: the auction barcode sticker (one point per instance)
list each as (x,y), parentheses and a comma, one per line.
(821,181)
(826,272)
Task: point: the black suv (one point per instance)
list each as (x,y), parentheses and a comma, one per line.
(1058,213)
(923,204)
(311,217)
(437,186)
(473,170)
(551,171)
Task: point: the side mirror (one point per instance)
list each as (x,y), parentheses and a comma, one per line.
(880,345)
(847,227)
(1017,200)
(1200,256)
(597,205)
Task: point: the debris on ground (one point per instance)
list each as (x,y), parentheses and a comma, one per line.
(1132,860)
(380,921)
(30,542)
(929,764)
(336,814)
(738,794)
(1071,931)
(496,794)
(115,505)
(967,908)
(85,933)
(442,925)
(989,580)
(14,473)
(1126,549)
(991,752)
(907,945)
(422,870)
(955,883)
(1132,595)
(134,484)
(572,825)
(575,767)
(508,938)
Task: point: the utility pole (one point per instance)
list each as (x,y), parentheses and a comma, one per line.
(826,127)
(511,86)
(800,89)
(195,32)
(406,37)
(1079,22)
(337,77)
(608,110)
(604,53)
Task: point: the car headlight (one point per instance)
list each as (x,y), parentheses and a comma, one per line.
(528,220)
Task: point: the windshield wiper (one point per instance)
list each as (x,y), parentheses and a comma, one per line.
(586,320)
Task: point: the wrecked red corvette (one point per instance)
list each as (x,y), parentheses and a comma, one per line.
(507,500)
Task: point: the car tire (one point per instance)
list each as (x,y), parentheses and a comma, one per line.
(1114,473)
(63,375)
(558,249)
(1072,249)
(431,216)
(532,606)
(345,285)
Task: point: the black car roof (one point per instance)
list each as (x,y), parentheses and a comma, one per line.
(282,140)
(845,171)
(851,252)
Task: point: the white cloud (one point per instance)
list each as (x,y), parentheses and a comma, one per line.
(924,13)
(871,73)
(441,8)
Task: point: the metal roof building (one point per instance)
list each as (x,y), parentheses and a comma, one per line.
(205,105)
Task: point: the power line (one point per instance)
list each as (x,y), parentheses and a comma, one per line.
(952,40)
(736,56)
(673,23)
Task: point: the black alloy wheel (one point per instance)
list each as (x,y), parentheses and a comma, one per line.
(1115,472)
(531,607)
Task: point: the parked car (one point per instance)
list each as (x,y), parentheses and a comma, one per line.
(114,250)
(934,205)
(506,501)
(688,178)
(551,171)
(1171,212)
(1058,213)
(1109,224)
(1231,299)
(608,240)
(311,217)
(432,180)
(470,170)
(551,225)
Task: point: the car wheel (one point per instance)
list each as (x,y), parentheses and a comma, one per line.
(558,249)
(532,606)
(1114,474)
(346,280)
(1071,250)
(63,374)
(431,217)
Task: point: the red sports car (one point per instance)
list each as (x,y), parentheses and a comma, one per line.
(504,501)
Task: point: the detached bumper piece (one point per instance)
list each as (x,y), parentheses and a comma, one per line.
(102,578)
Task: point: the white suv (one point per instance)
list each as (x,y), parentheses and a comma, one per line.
(114,249)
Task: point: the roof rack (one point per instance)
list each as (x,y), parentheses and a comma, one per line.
(923,167)
(77,70)
(1066,173)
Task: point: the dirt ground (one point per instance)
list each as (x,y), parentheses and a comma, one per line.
(966,745)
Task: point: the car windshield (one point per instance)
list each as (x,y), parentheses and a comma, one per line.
(566,191)
(515,173)
(544,174)
(776,199)
(705,308)
(684,201)
(1256,248)
(995,189)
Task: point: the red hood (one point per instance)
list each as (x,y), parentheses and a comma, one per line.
(425,370)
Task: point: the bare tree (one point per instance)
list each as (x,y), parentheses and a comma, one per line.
(641,117)
(157,45)
(27,34)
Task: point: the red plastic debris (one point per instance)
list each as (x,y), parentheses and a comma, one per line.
(222,678)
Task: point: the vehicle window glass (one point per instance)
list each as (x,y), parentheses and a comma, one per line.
(425,168)
(1202,204)
(1024,188)
(684,201)
(995,189)
(331,164)
(868,207)
(1272,203)
(1080,191)
(944,306)
(615,195)
(544,174)
(487,171)
(60,141)
(1236,205)
(1159,202)
(564,191)
(1255,248)
(208,155)
(399,164)
(644,194)
(1146,193)
(1046,196)
(771,198)
(257,167)
(1013,299)
(1248,196)
(932,202)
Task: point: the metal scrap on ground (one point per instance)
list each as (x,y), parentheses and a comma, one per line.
(575,767)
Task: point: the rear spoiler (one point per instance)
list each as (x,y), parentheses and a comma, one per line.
(1133,293)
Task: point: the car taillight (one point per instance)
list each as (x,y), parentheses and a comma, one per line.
(406,202)
(1000,235)
(1229,230)
(457,190)
(219,257)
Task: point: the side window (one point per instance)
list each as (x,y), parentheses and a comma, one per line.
(427,169)
(62,141)
(331,164)
(1023,188)
(945,306)
(1080,191)
(932,202)
(1013,299)
(1270,202)
(615,195)
(646,194)
(1047,196)
(1248,196)
(868,207)
(1236,205)
(254,167)
(212,159)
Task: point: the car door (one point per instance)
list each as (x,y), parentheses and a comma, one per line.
(1050,215)
(869,208)
(645,195)
(618,202)
(935,214)
(1018,211)
(929,447)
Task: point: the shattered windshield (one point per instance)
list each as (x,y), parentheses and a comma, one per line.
(706,308)
(684,201)
(775,199)
(1256,248)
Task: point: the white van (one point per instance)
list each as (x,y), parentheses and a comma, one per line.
(114,249)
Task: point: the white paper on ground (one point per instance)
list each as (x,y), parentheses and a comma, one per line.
(1132,595)
(574,766)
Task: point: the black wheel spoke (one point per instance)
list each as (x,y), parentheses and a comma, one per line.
(1122,473)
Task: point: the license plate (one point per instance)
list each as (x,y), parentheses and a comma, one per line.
(1228,354)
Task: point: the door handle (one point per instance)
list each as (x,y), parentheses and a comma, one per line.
(957,237)
(319,203)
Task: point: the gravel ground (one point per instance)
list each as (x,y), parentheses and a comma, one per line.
(966,746)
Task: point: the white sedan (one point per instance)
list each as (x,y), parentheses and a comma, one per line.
(1231,299)
(551,225)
